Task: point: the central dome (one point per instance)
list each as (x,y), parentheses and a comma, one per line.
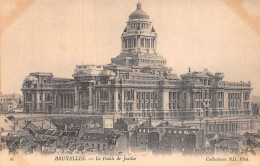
(139,13)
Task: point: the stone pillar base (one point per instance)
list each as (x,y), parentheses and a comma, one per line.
(76,109)
(90,109)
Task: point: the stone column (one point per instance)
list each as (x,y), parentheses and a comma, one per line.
(76,105)
(242,101)
(116,100)
(71,101)
(60,101)
(123,100)
(80,100)
(165,100)
(194,100)
(43,100)
(33,102)
(90,96)
(134,105)
(37,101)
(68,101)
(54,99)
(138,42)
(249,96)
(90,106)
(109,99)
(216,99)
(155,43)
(24,99)
(188,100)
(95,100)
(98,99)
(64,101)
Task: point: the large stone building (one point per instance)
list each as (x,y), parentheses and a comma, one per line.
(137,83)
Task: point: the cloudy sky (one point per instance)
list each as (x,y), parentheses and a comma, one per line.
(55,35)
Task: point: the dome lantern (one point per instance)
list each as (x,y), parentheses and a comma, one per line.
(139,13)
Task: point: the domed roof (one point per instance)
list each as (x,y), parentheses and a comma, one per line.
(139,13)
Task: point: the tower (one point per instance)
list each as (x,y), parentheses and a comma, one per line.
(139,35)
(139,42)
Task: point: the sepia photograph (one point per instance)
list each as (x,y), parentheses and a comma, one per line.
(129,82)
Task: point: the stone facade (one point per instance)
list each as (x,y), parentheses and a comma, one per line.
(137,83)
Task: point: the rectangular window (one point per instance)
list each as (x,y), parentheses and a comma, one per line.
(128,95)
(178,105)
(142,42)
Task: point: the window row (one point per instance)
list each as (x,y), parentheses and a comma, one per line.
(139,25)
(234,96)
(174,96)
(146,95)
(146,105)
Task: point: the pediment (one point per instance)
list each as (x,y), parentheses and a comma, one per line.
(80,74)
(205,73)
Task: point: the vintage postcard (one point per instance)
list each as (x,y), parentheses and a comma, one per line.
(129,82)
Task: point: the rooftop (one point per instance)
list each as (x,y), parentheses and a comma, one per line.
(139,13)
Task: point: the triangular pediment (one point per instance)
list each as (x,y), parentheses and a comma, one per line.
(80,74)
(205,73)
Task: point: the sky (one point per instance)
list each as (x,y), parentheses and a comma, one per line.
(56,35)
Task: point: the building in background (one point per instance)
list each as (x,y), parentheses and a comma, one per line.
(11,103)
(138,83)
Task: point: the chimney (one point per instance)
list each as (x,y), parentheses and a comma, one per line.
(42,124)
(189,69)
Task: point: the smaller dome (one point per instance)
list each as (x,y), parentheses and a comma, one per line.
(139,13)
